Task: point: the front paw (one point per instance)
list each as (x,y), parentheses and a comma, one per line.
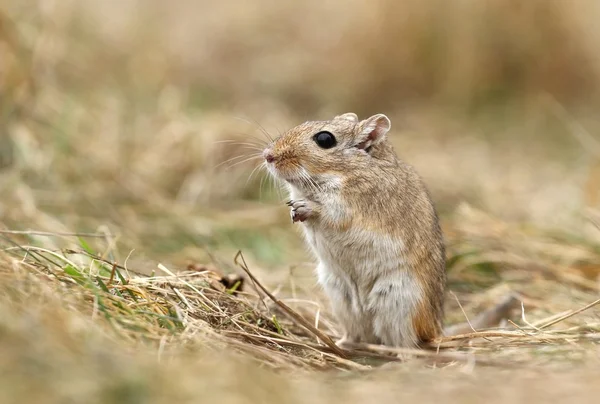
(301,210)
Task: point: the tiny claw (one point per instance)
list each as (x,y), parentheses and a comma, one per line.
(289,203)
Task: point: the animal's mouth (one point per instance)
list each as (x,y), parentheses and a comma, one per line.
(299,178)
(292,173)
(285,175)
(274,166)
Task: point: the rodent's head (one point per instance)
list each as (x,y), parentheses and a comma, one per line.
(318,152)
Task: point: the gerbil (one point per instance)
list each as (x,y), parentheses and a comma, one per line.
(370,221)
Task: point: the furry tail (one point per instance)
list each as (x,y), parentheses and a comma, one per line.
(487,319)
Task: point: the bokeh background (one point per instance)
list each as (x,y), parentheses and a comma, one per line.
(129,117)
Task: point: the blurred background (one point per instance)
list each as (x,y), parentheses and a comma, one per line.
(127,115)
(138,119)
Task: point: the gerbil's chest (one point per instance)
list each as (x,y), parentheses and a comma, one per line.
(356,253)
(351,249)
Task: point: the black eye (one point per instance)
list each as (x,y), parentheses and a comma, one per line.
(325,140)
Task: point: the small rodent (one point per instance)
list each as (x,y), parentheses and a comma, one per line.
(372,225)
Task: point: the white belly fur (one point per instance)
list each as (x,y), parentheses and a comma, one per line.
(373,294)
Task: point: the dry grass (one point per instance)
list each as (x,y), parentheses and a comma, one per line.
(78,316)
(130,125)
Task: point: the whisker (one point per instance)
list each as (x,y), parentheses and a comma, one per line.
(277,186)
(262,129)
(246,138)
(314,184)
(244,161)
(305,178)
(281,188)
(245,158)
(235,142)
(245,145)
(317,185)
(255,170)
(252,148)
(231,159)
(262,180)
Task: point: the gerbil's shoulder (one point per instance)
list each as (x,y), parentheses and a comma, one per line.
(390,196)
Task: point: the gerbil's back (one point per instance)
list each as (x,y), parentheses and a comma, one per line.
(394,200)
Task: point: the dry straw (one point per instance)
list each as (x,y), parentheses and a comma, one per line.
(244,316)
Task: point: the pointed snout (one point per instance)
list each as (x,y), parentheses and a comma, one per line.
(268,155)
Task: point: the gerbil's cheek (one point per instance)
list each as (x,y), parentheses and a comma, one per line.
(354,151)
(273,170)
(276,170)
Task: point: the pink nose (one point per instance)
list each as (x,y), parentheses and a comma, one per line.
(268,155)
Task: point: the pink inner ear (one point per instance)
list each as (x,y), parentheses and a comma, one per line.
(373,135)
(378,131)
(363,145)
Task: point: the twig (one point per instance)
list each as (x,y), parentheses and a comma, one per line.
(525,319)
(558,320)
(289,311)
(481,334)
(422,353)
(551,318)
(48,233)
(313,347)
(463,311)
(182,298)
(360,351)
(112,273)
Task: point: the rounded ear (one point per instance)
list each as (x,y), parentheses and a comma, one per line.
(373,130)
(349,116)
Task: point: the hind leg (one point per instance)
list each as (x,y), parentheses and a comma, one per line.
(344,305)
(394,302)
